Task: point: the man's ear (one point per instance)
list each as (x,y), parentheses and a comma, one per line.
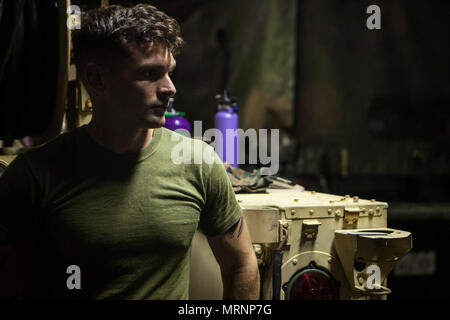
(95,77)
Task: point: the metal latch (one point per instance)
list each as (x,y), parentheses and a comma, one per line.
(310,228)
(351,215)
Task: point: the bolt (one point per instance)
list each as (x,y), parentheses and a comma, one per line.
(338,212)
(313,192)
(330,260)
(361,280)
(372,200)
(329,211)
(88,104)
(294,261)
(296,200)
(371,212)
(293,212)
(311,211)
(258,250)
(355,199)
(240,201)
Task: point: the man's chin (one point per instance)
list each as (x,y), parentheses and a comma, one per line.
(154,122)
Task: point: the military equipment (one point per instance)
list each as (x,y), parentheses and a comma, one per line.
(310,245)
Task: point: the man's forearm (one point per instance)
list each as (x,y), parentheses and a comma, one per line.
(241,284)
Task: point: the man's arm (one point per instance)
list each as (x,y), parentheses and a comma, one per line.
(15,271)
(239,267)
(19,197)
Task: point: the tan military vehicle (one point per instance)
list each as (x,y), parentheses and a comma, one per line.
(311,245)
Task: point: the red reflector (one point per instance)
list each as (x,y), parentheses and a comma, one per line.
(311,284)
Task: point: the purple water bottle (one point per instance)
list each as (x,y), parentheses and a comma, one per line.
(175,121)
(227,119)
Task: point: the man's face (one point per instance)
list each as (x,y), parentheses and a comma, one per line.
(138,88)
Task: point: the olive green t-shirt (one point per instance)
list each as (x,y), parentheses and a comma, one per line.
(125,220)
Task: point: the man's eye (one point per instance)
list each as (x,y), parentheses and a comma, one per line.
(150,74)
(153,75)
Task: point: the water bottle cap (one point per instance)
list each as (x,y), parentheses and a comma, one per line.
(225,99)
(227,102)
(172,114)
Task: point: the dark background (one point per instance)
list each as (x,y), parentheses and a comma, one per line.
(360,112)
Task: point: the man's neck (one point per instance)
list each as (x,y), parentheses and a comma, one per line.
(119,139)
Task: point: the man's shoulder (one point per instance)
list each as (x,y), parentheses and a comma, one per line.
(188,150)
(178,137)
(60,146)
(176,141)
(41,159)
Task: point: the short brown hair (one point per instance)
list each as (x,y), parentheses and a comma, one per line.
(115,27)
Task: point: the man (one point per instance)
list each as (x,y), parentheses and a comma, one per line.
(106,200)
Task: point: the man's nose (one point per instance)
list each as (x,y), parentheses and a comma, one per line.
(167,88)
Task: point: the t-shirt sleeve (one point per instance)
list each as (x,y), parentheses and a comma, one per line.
(19,197)
(221,210)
